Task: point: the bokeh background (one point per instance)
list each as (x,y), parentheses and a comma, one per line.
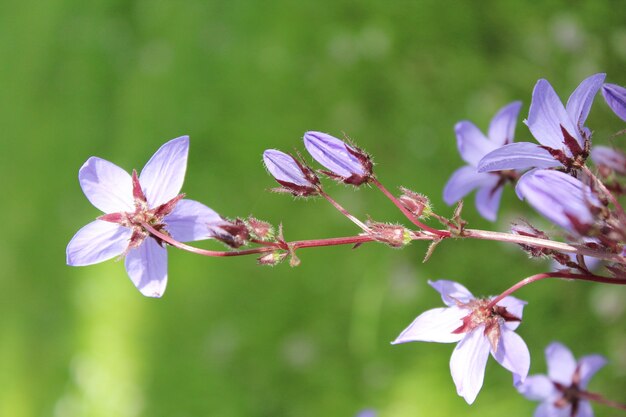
(117,78)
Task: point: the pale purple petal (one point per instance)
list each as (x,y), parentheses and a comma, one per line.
(434,325)
(588,366)
(284,168)
(191,220)
(584,409)
(561,363)
(579,103)
(451,292)
(163,176)
(96,242)
(502,126)
(488,198)
(547,115)
(472,143)
(147,268)
(520,155)
(615,97)
(107,186)
(467,364)
(367,413)
(547,409)
(513,354)
(538,388)
(462,182)
(333,154)
(610,158)
(515,307)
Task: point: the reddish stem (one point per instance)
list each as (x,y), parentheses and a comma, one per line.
(545,275)
(592,396)
(344,211)
(407,213)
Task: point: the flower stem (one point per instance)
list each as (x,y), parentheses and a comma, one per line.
(407,213)
(592,396)
(344,211)
(545,275)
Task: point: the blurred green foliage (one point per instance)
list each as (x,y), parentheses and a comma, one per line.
(117,78)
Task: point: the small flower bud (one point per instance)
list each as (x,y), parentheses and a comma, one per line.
(615,97)
(344,163)
(259,229)
(295,177)
(234,234)
(605,157)
(393,235)
(526,229)
(272,258)
(417,204)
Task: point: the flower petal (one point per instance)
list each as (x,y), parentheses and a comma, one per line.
(471,142)
(333,154)
(462,182)
(520,155)
(502,126)
(615,97)
(284,168)
(584,409)
(434,325)
(547,409)
(610,158)
(513,354)
(547,115)
(97,242)
(488,198)
(579,103)
(588,366)
(191,220)
(163,176)
(515,307)
(451,292)
(107,186)
(467,364)
(147,268)
(537,388)
(561,363)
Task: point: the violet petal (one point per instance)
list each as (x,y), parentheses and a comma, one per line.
(513,354)
(547,409)
(472,143)
(97,242)
(107,186)
(502,126)
(584,409)
(436,325)
(191,220)
(588,366)
(147,268)
(332,153)
(468,362)
(451,292)
(561,363)
(579,103)
(520,155)
(547,115)
(284,168)
(163,176)
(488,198)
(615,97)
(610,158)
(537,388)
(462,182)
(515,307)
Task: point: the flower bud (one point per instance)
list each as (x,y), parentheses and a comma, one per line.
(417,204)
(259,229)
(295,177)
(234,234)
(605,157)
(393,235)
(344,163)
(615,97)
(526,229)
(272,258)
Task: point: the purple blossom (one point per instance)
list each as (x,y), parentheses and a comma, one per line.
(478,331)
(615,97)
(561,392)
(295,177)
(606,157)
(563,138)
(151,197)
(344,162)
(473,145)
(561,198)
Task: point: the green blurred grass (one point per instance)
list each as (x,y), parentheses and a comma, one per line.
(118,78)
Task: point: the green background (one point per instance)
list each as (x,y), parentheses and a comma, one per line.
(117,79)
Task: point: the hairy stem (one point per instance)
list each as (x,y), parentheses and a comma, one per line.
(344,211)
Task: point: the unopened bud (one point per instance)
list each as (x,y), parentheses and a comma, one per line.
(232,233)
(417,204)
(393,235)
(294,177)
(526,229)
(609,159)
(259,229)
(615,97)
(272,258)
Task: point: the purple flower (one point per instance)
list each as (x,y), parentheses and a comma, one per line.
(561,392)
(560,198)
(615,97)
(613,159)
(152,197)
(295,177)
(473,145)
(345,163)
(563,138)
(478,331)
